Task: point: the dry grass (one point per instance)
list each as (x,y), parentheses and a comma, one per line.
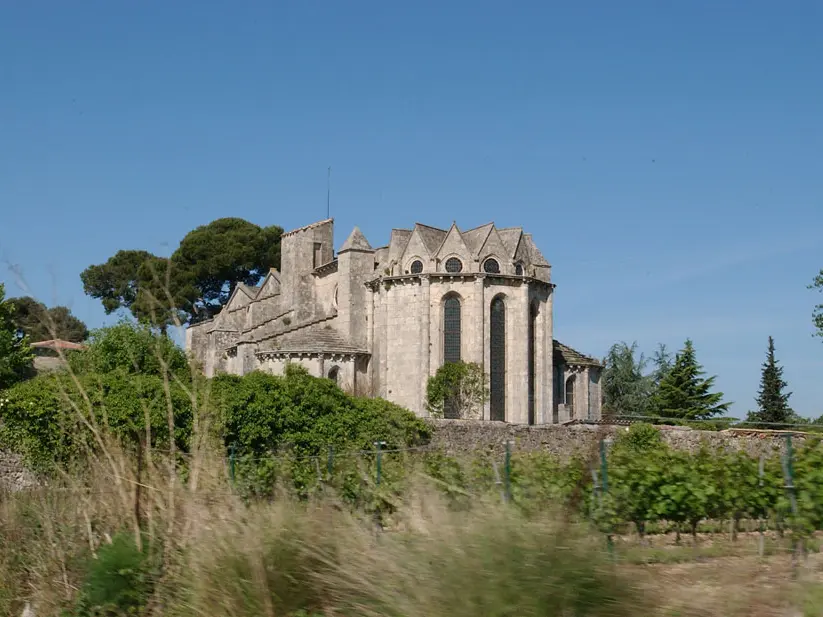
(212,555)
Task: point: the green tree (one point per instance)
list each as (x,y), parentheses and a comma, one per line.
(772,401)
(40,323)
(457,390)
(684,393)
(626,390)
(817,315)
(115,283)
(16,356)
(222,254)
(662,361)
(192,285)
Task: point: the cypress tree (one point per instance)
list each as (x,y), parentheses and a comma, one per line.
(772,401)
(684,393)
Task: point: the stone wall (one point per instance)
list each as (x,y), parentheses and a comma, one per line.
(13,475)
(468,436)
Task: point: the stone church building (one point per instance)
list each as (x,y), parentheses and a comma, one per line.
(380,321)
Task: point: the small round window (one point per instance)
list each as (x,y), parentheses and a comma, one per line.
(491,266)
(518,269)
(454,265)
(416,267)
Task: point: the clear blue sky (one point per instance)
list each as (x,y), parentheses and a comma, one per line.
(667,156)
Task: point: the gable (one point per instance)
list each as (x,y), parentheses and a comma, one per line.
(453,244)
(416,247)
(398,243)
(240,297)
(494,247)
(271,284)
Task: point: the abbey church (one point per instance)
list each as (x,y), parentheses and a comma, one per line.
(381,321)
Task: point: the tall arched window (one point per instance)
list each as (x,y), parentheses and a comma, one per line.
(497,359)
(451,329)
(531,350)
(570,396)
(333,373)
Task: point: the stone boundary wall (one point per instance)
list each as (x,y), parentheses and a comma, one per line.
(468,436)
(458,437)
(13,474)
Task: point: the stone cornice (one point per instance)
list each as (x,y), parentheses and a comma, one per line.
(290,353)
(374,284)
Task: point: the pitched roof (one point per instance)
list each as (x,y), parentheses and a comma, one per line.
(475,238)
(307,227)
(322,340)
(58,344)
(571,357)
(356,242)
(432,236)
(511,238)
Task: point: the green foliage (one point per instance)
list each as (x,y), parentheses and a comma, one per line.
(304,415)
(684,393)
(130,348)
(627,389)
(43,418)
(640,439)
(16,356)
(817,315)
(118,582)
(457,390)
(772,401)
(40,323)
(198,279)
(224,253)
(120,386)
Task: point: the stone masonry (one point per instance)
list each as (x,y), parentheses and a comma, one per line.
(381,321)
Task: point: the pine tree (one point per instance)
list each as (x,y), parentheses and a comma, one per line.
(772,401)
(684,392)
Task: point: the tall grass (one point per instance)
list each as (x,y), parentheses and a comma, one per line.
(140,533)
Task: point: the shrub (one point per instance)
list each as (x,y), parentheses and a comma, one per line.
(457,390)
(300,414)
(42,419)
(118,582)
(130,348)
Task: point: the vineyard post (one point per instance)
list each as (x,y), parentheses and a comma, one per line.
(788,476)
(232,449)
(378,445)
(604,487)
(508,471)
(761,474)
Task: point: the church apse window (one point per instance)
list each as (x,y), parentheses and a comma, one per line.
(570,396)
(333,373)
(518,270)
(497,359)
(454,265)
(491,266)
(416,267)
(533,312)
(451,329)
